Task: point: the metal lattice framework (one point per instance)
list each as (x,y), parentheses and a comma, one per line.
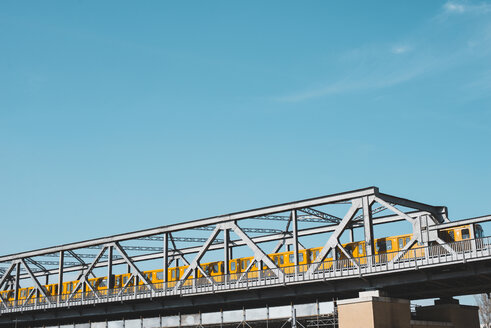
(362,211)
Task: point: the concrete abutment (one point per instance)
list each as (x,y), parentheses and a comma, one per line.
(373,309)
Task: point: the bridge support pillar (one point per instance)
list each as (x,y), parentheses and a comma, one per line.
(449,310)
(373,310)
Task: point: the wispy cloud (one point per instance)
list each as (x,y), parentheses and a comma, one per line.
(362,80)
(400,49)
(381,66)
(453,7)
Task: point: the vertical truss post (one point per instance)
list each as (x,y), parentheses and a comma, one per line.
(195,275)
(60,275)
(17,282)
(83,290)
(368,227)
(166,261)
(351,235)
(226,253)
(110,283)
(473,245)
(295,239)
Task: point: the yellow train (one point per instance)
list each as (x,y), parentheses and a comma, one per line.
(385,248)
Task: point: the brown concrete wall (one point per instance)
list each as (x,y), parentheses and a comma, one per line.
(391,314)
(377,313)
(351,315)
(461,316)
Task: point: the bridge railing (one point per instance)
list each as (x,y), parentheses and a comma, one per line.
(419,256)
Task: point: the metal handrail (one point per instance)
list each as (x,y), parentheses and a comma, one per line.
(418,257)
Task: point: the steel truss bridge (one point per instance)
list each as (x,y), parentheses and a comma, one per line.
(435,269)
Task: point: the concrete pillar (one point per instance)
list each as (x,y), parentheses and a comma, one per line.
(449,310)
(373,310)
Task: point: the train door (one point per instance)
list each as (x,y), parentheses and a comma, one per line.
(245,263)
(400,243)
(301,261)
(174,276)
(221,272)
(389,246)
(466,235)
(381,247)
(233,270)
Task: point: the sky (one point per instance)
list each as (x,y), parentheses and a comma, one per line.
(118,116)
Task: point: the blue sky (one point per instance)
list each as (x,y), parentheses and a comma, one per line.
(117,116)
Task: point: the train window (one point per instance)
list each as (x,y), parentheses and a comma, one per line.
(232,266)
(125,279)
(388,245)
(23,293)
(173,274)
(401,243)
(215,268)
(292,259)
(465,234)
(360,249)
(160,275)
(117,281)
(221,267)
(281,259)
(407,240)
(451,233)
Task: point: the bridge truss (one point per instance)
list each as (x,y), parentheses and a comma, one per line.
(331,219)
